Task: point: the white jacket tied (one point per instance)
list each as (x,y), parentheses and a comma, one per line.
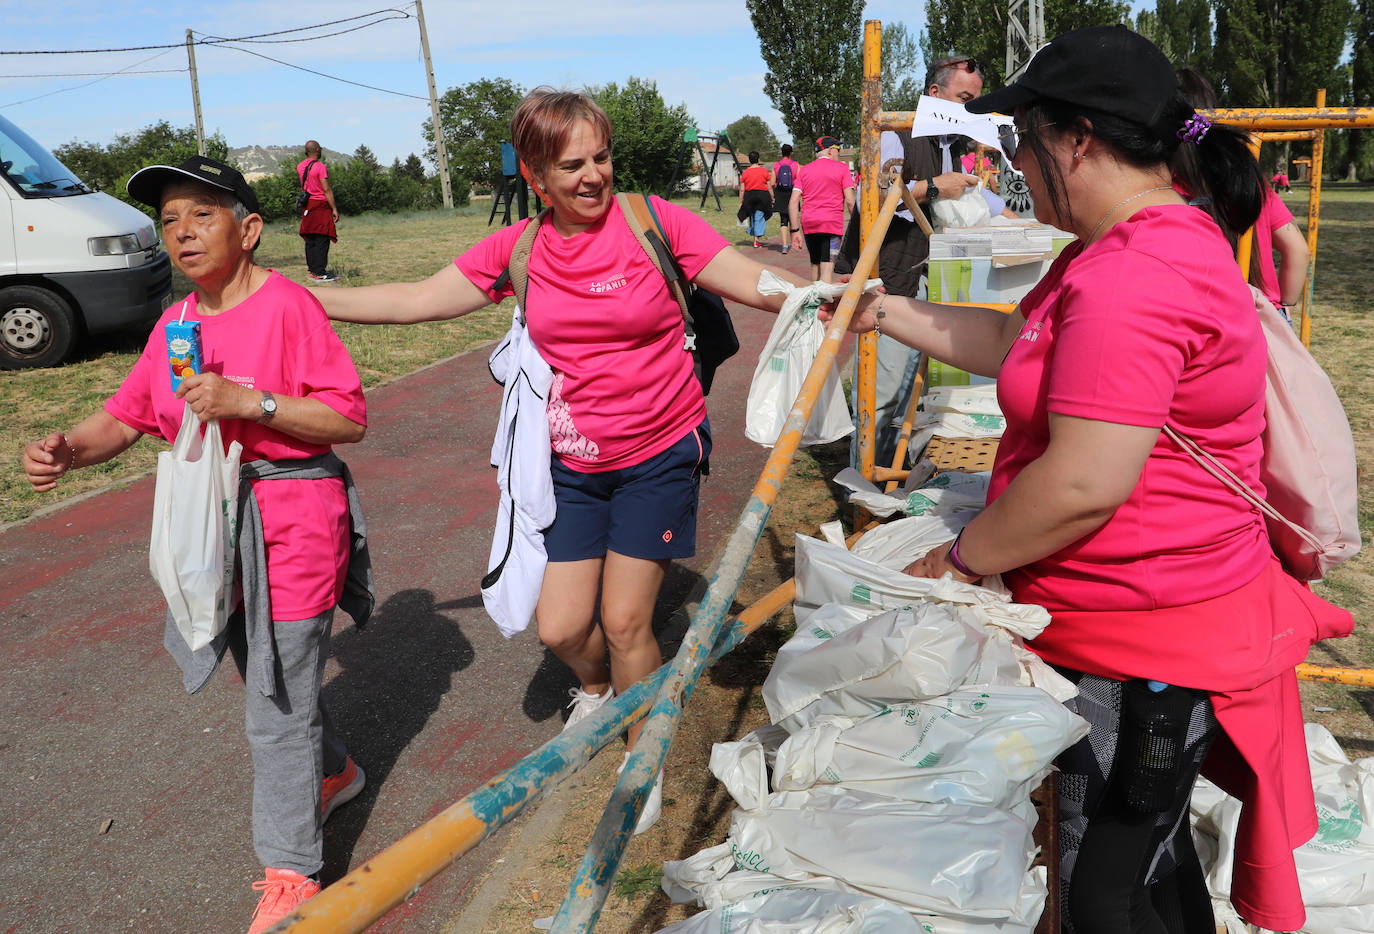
(520,454)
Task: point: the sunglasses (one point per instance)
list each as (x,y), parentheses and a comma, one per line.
(971,65)
(1009,135)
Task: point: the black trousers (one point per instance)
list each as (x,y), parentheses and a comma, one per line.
(316,253)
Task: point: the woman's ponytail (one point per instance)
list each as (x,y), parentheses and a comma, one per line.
(1231,177)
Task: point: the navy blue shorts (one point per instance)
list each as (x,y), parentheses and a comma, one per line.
(645,511)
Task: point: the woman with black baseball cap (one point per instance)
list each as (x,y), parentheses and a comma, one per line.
(281,384)
(1160,580)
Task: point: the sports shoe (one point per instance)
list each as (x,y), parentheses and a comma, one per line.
(283,891)
(323,277)
(340,789)
(583,705)
(756,243)
(653,805)
(784,251)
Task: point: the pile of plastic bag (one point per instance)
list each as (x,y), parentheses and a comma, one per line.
(891,790)
(1335,867)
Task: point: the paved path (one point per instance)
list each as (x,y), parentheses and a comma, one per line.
(95,726)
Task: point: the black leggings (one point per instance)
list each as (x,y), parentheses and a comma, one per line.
(1124,869)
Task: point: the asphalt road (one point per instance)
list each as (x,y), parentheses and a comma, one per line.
(95,726)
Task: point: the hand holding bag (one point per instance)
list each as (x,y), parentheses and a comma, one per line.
(195,533)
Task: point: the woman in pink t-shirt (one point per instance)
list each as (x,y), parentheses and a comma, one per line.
(626,415)
(1170,612)
(279,382)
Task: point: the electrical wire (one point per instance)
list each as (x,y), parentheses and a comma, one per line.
(402,14)
(86,84)
(321,74)
(104,74)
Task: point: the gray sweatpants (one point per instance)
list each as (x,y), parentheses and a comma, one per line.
(294,746)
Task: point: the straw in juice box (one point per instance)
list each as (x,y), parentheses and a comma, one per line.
(183,348)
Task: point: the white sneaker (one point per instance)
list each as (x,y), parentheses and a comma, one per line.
(583,704)
(653,805)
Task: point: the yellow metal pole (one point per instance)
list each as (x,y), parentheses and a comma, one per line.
(1245,245)
(1361,677)
(1307,118)
(1314,210)
(1278,136)
(865,379)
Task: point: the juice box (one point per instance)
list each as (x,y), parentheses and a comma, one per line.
(183,350)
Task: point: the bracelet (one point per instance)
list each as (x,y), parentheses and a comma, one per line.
(953,557)
(879,314)
(71,464)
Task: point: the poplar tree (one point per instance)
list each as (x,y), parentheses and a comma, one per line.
(814,53)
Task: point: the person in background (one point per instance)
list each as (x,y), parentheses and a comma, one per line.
(1275,231)
(1169,610)
(756,197)
(784,177)
(826,187)
(320,217)
(627,418)
(280,383)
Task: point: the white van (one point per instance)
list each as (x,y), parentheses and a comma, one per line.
(72,261)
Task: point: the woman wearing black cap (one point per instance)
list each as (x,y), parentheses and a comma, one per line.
(1169,609)
(281,384)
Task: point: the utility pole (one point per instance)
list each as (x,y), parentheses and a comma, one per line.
(195,92)
(1025,34)
(445,185)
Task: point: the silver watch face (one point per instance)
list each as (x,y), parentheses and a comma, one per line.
(269,406)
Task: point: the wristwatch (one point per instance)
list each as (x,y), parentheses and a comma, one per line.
(269,407)
(932,190)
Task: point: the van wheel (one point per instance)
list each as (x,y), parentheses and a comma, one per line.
(37,328)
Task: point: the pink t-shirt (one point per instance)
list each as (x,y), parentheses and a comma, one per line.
(1152,323)
(312,184)
(793,163)
(277,339)
(603,318)
(1273,215)
(822,184)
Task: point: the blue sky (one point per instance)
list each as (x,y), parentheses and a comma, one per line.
(703,54)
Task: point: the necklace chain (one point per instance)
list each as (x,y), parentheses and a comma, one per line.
(1112,210)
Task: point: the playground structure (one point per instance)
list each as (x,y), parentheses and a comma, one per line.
(690,139)
(370,891)
(513,187)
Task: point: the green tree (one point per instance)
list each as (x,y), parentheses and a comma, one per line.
(413,168)
(1274,53)
(107,168)
(647,132)
(979,28)
(476,119)
(903,69)
(1362,85)
(751,133)
(813,50)
(368,158)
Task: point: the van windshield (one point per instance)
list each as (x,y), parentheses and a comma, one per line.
(32,170)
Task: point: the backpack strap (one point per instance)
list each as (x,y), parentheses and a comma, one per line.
(306,173)
(518,266)
(639,214)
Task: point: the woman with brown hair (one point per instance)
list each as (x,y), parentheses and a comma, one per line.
(626,415)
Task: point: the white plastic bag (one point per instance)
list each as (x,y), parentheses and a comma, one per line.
(970,209)
(786,358)
(988,745)
(195,529)
(895,850)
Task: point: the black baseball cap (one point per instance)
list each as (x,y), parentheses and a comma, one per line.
(1111,69)
(825,142)
(147,183)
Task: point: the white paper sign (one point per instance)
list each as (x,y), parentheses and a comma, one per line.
(938,117)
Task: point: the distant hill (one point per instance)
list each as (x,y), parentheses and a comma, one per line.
(257,162)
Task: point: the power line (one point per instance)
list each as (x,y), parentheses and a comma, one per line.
(86,84)
(401,14)
(103,74)
(321,74)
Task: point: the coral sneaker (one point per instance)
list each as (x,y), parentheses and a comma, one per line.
(340,789)
(283,891)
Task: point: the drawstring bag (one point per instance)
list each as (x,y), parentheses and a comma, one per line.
(195,529)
